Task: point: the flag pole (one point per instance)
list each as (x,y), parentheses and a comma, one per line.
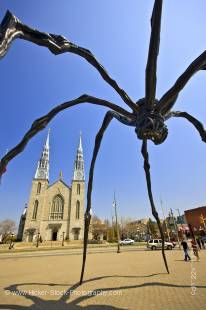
(117,228)
(168,235)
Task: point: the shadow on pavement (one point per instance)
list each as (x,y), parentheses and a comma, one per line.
(64,304)
(188,261)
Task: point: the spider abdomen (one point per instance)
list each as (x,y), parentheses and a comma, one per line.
(150,125)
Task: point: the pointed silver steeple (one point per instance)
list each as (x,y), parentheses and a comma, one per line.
(80,149)
(79,163)
(42,171)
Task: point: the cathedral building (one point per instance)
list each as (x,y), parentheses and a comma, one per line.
(55,211)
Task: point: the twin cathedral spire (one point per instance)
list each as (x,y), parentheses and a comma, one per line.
(79,163)
(42,171)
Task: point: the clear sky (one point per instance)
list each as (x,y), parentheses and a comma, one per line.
(117,31)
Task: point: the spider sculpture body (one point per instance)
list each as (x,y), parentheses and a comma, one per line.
(148,115)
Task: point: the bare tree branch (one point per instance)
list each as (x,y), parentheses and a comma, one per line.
(11,28)
(195,122)
(168,100)
(151,68)
(43,121)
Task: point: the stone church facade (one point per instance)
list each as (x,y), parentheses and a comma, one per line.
(55,211)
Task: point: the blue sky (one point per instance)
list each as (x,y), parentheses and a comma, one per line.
(33,81)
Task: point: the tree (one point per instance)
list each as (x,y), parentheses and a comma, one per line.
(135,229)
(124,227)
(131,229)
(153,228)
(99,228)
(7,227)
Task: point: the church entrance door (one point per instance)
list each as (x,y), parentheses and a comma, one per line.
(54,235)
(31,236)
(76,233)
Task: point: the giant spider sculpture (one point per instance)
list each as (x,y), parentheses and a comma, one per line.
(148,115)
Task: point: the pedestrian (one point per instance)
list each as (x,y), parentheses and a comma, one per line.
(195,248)
(185,249)
(203,243)
(11,246)
(199,243)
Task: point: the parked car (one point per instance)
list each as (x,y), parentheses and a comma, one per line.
(126,241)
(173,243)
(155,244)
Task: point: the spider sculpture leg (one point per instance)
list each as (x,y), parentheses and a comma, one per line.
(169,98)
(43,121)
(197,124)
(107,119)
(151,68)
(149,188)
(12,28)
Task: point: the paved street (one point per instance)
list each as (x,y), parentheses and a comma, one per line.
(64,251)
(129,280)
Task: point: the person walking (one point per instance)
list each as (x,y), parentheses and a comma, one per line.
(203,243)
(199,243)
(185,249)
(195,248)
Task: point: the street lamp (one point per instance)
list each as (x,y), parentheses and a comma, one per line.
(11,245)
(181,220)
(138,234)
(165,221)
(175,227)
(63,238)
(37,240)
(117,228)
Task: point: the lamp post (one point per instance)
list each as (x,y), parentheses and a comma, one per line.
(11,245)
(37,240)
(183,233)
(117,228)
(138,234)
(63,238)
(122,228)
(113,237)
(167,232)
(175,227)
(148,231)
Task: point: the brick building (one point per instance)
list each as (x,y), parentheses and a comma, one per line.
(197,218)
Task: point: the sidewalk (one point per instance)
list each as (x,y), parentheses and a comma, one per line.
(133,280)
(50,246)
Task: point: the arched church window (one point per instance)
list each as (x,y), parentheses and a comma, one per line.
(36,204)
(57,209)
(77,210)
(39,188)
(78,189)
